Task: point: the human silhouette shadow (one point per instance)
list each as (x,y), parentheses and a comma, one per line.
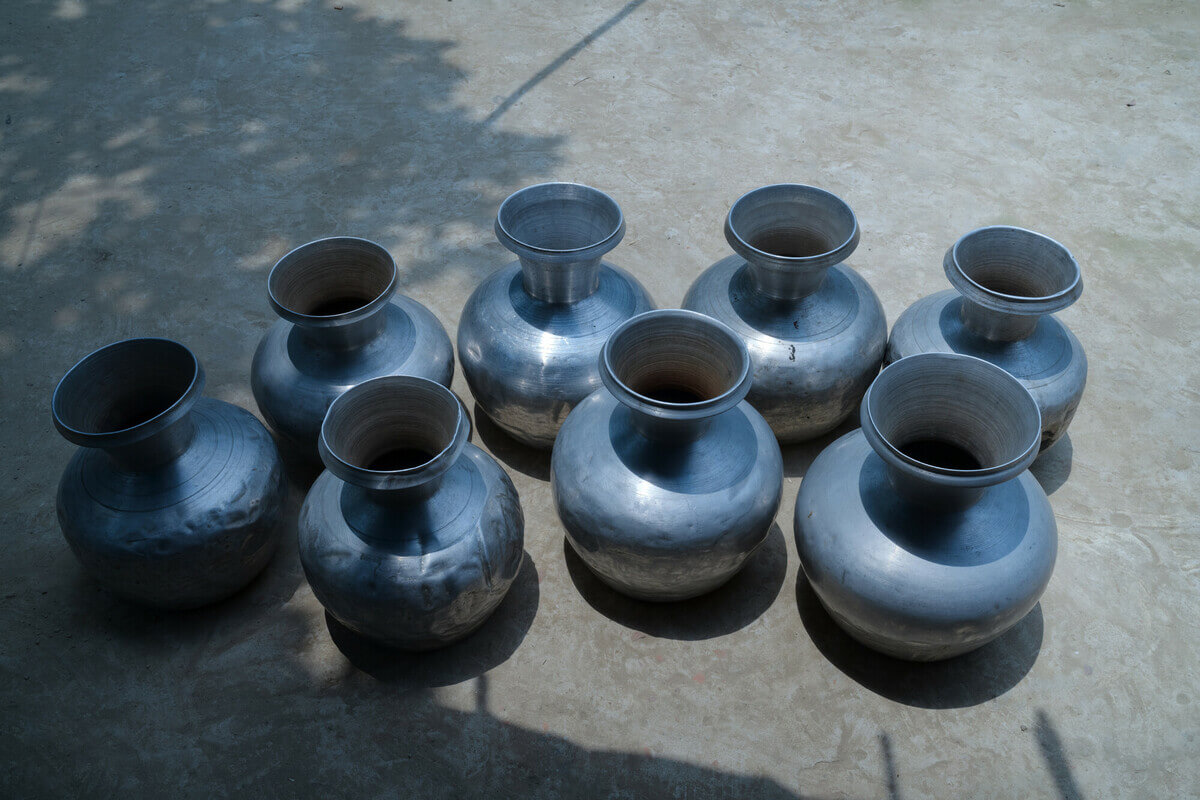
(959,682)
(484,649)
(726,609)
(428,750)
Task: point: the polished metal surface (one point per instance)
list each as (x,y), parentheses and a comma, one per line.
(923,533)
(412,535)
(1007,282)
(174,500)
(530,334)
(815,330)
(665,479)
(341,323)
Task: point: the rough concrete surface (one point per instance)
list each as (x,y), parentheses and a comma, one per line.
(157,157)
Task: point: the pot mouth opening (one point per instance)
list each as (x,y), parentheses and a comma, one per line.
(126,390)
(331,281)
(676,361)
(791,223)
(952,415)
(1011,264)
(393,431)
(559,218)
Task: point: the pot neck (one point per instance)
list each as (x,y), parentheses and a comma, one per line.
(388,517)
(559,281)
(927,491)
(790,236)
(392,439)
(559,231)
(1009,278)
(784,282)
(997,326)
(132,400)
(335,291)
(402,496)
(669,431)
(348,336)
(156,450)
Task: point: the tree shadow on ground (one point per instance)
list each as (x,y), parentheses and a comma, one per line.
(1054,754)
(147,187)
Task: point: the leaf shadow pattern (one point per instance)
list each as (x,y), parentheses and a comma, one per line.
(727,609)
(959,682)
(147,188)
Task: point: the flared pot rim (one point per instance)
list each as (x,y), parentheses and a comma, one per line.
(332,320)
(383,479)
(980,477)
(663,409)
(1026,305)
(586,252)
(140,431)
(816,261)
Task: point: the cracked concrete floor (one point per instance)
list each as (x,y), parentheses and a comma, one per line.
(157,157)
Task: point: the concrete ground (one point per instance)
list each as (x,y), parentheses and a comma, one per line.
(158,156)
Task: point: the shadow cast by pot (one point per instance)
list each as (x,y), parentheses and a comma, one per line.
(960,682)
(524,459)
(300,467)
(488,647)
(1053,466)
(159,630)
(797,458)
(722,611)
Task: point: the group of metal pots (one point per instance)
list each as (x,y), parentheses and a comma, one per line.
(921,532)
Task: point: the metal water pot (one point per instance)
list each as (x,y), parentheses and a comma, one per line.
(815,330)
(341,323)
(530,333)
(665,479)
(923,533)
(174,500)
(1007,282)
(412,535)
